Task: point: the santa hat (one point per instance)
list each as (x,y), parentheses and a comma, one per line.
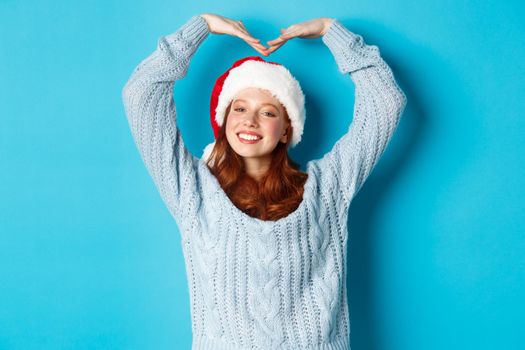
(253,71)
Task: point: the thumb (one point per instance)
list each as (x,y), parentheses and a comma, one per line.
(284,32)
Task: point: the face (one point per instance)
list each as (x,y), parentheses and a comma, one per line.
(255,112)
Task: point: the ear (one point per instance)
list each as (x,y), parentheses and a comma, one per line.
(284,137)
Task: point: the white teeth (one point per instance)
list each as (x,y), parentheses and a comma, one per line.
(248,137)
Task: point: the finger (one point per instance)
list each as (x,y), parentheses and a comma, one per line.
(259,48)
(250,40)
(275,47)
(276,41)
(249,36)
(262,52)
(256,43)
(245,36)
(286,35)
(243,29)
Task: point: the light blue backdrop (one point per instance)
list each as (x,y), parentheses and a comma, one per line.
(90,258)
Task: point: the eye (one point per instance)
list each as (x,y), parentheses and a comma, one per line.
(270,113)
(238,109)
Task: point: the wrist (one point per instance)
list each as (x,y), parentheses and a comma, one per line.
(206,17)
(327,23)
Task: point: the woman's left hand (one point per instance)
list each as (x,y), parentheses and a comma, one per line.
(309,29)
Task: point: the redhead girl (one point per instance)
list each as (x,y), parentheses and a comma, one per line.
(264,243)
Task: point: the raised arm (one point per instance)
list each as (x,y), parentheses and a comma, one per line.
(379,103)
(150,110)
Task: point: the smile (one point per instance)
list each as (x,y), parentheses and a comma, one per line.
(246,138)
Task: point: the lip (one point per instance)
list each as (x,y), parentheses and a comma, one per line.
(249,132)
(248,141)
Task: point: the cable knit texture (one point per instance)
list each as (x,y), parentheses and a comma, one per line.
(258,284)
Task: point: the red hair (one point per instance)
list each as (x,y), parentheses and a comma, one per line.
(278,193)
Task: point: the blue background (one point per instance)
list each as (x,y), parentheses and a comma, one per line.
(90,257)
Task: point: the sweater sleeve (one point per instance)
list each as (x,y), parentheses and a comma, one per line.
(150,110)
(379,103)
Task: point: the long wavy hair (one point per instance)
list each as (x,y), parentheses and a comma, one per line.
(278,193)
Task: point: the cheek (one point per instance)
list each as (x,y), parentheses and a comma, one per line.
(233,119)
(230,122)
(275,128)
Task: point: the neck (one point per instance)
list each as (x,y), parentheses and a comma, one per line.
(257,167)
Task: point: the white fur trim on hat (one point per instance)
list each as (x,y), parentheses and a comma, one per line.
(207,151)
(272,77)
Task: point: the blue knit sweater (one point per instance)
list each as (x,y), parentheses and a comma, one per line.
(257,284)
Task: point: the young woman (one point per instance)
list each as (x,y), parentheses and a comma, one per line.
(264,243)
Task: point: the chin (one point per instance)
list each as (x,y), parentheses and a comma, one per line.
(248,154)
(244,151)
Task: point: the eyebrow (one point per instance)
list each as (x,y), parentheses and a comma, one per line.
(264,104)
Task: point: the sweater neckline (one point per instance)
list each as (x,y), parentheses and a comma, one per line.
(224,197)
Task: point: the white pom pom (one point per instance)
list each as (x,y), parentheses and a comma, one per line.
(207,151)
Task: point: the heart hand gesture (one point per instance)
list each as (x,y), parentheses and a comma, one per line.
(309,29)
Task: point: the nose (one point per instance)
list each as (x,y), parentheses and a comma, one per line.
(250,119)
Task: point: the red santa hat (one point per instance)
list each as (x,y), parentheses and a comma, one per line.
(253,71)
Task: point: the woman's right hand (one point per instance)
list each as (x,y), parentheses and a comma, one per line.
(222,25)
(313,28)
